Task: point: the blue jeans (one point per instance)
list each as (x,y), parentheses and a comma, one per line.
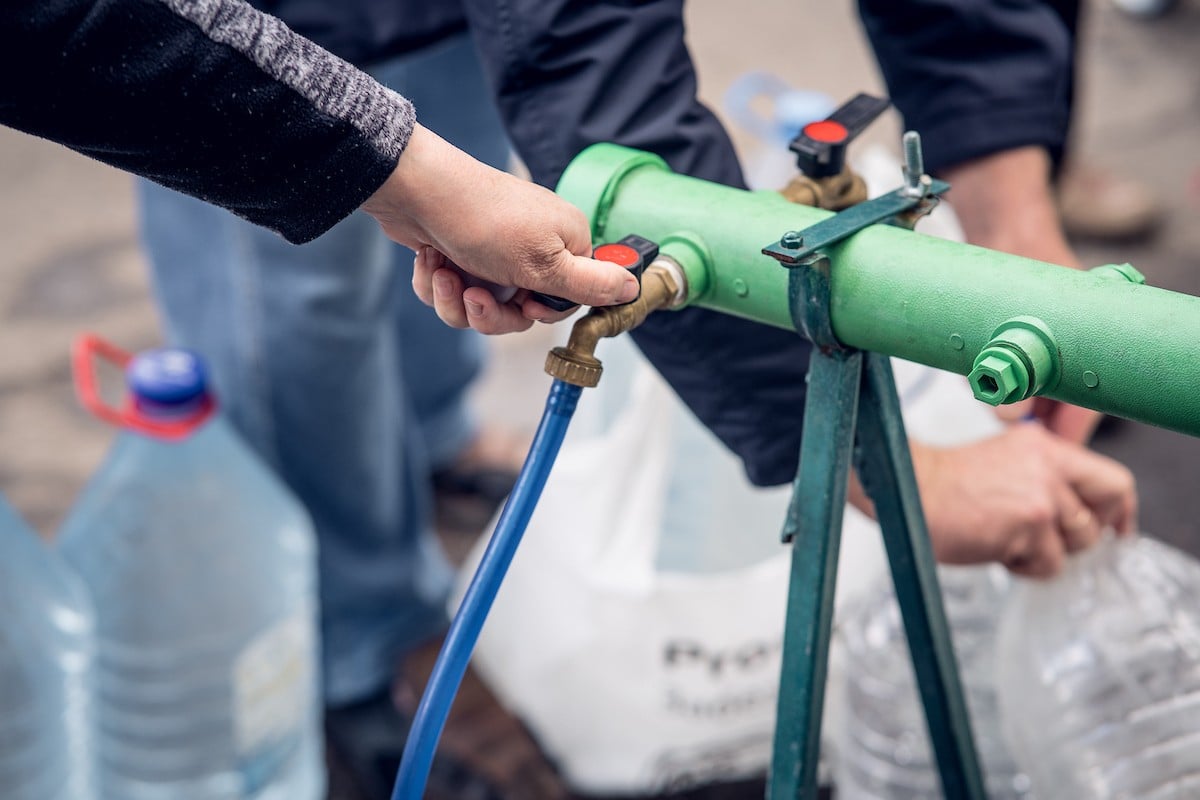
(333,371)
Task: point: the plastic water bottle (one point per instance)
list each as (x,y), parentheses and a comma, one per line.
(883,749)
(201,568)
(45,661)
(771,165)
(1099,674)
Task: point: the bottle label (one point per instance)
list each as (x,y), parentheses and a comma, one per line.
(273,684)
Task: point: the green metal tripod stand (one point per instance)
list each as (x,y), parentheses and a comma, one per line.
(852,415)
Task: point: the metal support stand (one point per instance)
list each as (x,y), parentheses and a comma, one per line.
(848,389)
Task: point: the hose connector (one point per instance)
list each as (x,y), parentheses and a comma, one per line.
(663,286)
(1019,361)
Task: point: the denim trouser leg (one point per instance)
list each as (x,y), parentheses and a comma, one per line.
(339,378)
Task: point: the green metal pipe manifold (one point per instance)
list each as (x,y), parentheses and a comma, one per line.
(1018,327)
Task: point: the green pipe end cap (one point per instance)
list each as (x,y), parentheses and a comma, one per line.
(999,377)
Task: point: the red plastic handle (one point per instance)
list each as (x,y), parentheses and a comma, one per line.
(89,347)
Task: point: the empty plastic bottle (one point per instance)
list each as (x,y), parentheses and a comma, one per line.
(201,568)
(883,750)
(788,109)
(45,658)
(1099,674)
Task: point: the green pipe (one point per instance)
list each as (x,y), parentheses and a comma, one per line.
(1099,339)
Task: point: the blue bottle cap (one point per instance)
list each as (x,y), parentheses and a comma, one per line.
(167,382)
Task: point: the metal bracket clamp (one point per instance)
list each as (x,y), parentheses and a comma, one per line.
(795,246)
(902,207)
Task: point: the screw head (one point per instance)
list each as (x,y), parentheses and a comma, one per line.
(998,378)
(792,240)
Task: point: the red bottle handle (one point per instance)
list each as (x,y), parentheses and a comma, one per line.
(89,347)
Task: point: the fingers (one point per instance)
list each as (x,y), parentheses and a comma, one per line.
(448,290)
(489,316)
(586,281)
(425,263)
(440,285)
(460,306)
(1078,527)
(1106,487)
(1040,555)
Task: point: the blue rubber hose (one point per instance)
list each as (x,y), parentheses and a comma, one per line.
(464,631)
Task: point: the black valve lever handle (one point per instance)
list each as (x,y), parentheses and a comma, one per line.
(633,252)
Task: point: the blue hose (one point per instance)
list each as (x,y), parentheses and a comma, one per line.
(464,631)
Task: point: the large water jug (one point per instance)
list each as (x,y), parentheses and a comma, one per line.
(45,661)
(883,749)
(772,112)
(1099,674)
(202,569)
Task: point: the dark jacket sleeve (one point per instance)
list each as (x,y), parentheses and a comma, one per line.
(209,97)
(975,77)
(568,74)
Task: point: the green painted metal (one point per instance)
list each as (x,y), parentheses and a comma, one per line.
(834,229)
(813,526)
(1123,348)
(843,396)
(884,466)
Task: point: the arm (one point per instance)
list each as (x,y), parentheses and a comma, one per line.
(989,85)
(211,98)
(567,75)
(222,102)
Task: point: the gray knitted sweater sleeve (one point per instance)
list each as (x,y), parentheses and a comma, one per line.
(210,97)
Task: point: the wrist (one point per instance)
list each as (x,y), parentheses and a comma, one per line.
(401,203)
(1005,202)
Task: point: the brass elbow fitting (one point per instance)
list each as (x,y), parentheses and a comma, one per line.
(662,287)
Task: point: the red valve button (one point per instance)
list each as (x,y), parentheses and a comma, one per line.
(620,254)
(826,130)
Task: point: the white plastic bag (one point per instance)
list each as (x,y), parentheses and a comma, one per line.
(634,678)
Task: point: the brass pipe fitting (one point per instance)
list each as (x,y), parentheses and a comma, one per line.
(577,363)
(835,193)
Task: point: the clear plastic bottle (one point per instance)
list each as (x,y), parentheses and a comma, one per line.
(202,569)
(1099,674)
(45,661)
(771,165)
(882,745)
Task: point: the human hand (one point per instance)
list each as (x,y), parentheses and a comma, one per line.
(1005,203)
(457,212)
(1025,498)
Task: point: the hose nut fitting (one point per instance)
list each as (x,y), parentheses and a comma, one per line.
(576,363)
(579,369)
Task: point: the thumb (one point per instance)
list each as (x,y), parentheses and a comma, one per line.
(588,281)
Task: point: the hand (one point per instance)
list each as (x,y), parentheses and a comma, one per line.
(496,227)
(1024,498)
(1005,203)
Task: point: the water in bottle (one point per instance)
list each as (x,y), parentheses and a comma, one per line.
(201,568)
(1099,674)
(45,660)
(882,745)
